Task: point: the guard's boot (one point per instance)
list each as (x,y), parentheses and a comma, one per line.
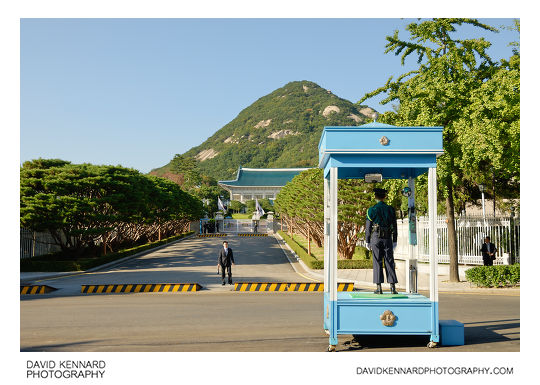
(393,288)
(378,290)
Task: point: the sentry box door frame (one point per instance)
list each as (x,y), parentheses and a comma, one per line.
(395,153)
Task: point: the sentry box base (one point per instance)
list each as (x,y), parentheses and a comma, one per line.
(452,333)
(375,314)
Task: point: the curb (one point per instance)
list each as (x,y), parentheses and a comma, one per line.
(36,289)
(140,288)
(287,286)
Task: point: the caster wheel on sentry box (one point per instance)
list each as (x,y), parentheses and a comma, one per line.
(331,348)
(432,344)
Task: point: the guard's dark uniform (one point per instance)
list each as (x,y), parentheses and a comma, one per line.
(381,233)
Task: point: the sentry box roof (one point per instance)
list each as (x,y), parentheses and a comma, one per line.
(376,148)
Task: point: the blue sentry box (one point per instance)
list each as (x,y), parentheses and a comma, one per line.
(452,332)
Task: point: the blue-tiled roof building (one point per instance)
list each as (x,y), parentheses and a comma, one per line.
(251,183)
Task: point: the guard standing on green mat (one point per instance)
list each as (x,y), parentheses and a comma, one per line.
(381,238)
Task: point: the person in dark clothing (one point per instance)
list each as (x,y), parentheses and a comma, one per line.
(225,261)
(488,252)
(381,238)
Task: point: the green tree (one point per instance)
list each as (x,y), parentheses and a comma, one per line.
(300,203)
(85,205)
(187,167)
(236,206)
(450,76)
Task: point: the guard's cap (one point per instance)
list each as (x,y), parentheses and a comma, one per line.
(379,191)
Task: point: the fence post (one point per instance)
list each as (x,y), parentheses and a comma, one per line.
(512,230)
(33,244)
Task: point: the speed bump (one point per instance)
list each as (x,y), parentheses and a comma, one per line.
(252,235)
(141,288)
(211,235)
(37,289)
(287,286)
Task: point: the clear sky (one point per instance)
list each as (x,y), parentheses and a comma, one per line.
(134,92)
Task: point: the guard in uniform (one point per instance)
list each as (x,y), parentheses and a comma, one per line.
(381,238)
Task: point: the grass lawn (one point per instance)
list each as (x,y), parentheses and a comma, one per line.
(242,216)
(318,252)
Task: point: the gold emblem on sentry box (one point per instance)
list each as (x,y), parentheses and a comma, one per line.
(388,318)
(384,141)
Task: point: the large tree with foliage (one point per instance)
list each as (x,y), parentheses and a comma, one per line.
(453,75)
(300,203)
(85,205)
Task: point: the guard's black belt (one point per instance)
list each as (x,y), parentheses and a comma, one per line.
(382,231)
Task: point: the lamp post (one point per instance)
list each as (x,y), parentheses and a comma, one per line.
(481,187)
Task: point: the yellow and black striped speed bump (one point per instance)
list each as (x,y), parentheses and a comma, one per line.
(252,235)
(211,235)
(37,289)
(287,286)
(141,288)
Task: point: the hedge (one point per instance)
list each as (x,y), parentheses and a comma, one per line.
(494,276)
(55,262)
(314,263)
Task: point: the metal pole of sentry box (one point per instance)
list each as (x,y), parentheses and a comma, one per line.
(411,265)
(433,254)
(326,230)
(332,256)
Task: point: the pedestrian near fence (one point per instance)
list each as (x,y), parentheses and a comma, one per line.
(488,252)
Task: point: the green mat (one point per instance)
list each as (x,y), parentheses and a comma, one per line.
(377,296)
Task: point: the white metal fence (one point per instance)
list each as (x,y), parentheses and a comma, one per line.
(471,231)
(34,243)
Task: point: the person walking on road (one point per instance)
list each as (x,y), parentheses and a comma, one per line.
(381,238)
(488,252)
(225,261)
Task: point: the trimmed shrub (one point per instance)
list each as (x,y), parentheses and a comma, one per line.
(55,262)
(309,260)
(494,276)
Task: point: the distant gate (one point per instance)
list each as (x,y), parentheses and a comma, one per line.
(244,226)
(236,226)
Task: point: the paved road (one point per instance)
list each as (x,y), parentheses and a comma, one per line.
(238,321)
(221,320)
(194,260)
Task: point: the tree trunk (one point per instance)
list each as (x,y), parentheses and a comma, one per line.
(452,238)
(308,241)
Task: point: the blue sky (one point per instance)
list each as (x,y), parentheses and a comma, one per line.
(134,92)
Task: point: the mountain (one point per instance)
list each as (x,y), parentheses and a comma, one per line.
(281,129)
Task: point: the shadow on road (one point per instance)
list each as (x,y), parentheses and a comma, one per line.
(491,331)
(72,346)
